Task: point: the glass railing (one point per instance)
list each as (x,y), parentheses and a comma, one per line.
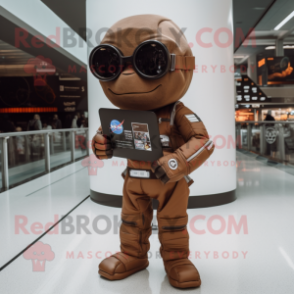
(272,139)
(26,155)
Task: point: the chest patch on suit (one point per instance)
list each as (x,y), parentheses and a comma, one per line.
(192,117)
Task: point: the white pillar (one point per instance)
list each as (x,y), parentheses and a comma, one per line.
(208,26)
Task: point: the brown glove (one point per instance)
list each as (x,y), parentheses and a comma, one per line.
(170,168)
(101,145)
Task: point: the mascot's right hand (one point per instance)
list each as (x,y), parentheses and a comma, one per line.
(101,146)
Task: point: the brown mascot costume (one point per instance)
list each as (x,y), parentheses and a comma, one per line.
(156,74)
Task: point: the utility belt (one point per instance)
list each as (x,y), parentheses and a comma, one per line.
(147,174)
(139,173)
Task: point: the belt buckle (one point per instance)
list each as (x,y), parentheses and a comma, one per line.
(139,173)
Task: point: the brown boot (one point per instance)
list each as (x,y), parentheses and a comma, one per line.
(121,265)
(182,273)
(134,234)
(174,239)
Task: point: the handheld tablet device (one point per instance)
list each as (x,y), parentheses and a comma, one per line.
(134,134)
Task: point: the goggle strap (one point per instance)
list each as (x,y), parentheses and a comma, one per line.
(185,62)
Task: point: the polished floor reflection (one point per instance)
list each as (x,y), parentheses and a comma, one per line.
(242,247)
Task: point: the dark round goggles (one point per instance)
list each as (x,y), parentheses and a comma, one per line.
(151,60)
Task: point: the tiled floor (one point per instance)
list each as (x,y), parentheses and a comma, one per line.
(256,257)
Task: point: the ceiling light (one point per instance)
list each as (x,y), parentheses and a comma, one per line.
(239,56)
(274,47)
(284,21)
(270,47)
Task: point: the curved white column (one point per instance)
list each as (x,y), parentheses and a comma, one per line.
(208,27)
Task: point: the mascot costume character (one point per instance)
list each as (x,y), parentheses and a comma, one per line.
(144,62)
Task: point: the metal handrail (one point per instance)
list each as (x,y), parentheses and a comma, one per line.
(265,122)
(39,132)
(4,154)
(263,127)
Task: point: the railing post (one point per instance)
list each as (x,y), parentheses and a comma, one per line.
(281,141)
(52,144)
(87,141)
(248,136)
(262,140)
(64,140)
(27,148)
(72,145)
(4,165)
(238,137)
(47,152)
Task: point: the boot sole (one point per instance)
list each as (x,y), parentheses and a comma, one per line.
(120,276)
(183,285)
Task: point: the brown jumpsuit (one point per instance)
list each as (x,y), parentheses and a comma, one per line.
(190,146)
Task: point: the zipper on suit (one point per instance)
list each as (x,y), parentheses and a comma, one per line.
(209,142)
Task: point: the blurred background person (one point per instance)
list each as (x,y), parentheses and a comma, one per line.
(56,122)
(80,135)
(269,117)
(80,120)
(84,123)
(20,146)
(35,124)
(74,123)
(35,140)
(46,126)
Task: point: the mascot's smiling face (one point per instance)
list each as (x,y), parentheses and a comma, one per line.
(132,91)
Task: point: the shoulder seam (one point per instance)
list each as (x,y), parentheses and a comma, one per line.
(173,113)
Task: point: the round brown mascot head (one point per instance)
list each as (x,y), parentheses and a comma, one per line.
(144,62)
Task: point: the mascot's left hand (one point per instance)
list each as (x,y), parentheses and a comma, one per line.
(170,168)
